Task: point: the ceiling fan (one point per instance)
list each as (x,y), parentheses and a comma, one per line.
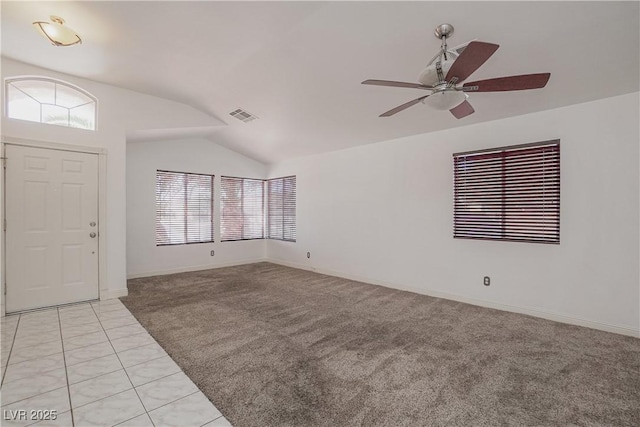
(449,68)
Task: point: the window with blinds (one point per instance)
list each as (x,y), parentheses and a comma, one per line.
(281,195)
(510,193)
(241,208)
(184,208)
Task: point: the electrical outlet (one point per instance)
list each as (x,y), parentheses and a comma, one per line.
(308,254)
(487,280)
(213,252)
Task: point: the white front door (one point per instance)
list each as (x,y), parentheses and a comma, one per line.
(52,227)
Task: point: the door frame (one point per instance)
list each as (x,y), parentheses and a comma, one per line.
(103,289)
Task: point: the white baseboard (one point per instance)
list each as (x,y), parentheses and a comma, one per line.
(622,330)
(113,293)
(194,268)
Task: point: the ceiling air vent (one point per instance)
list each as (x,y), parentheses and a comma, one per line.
(243,115)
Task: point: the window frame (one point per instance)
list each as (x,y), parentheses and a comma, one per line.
(264,212)
(94,99)
(213,233)
(268,212)
(553,218)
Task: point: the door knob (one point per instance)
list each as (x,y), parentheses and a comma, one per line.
(93,224)
(92,235)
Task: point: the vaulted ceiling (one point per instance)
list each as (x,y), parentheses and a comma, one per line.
(298,65)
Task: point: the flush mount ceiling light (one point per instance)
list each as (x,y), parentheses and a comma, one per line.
(57,33)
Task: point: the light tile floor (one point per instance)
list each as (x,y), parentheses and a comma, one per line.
(95,365)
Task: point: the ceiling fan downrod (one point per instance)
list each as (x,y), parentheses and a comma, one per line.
(443,32)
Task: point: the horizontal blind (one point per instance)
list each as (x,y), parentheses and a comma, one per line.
(282,208)
(509,194)
(184,212)
(242,208)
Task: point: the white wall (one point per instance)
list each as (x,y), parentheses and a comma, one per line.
(119,111)
(383,213)
(144,258)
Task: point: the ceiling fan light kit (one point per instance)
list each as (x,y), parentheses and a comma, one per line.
(445,100)
(447,69)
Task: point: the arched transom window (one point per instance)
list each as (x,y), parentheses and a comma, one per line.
(43,100)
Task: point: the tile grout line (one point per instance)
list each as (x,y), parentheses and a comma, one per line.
(45,355)
(96,343)
(116,370)
(126,336)
(123,368)
(97,376)
(31,360)
(217,418)
(157,379)
(37,373)
(68,338)
(15,334)
(184,397)
(111,395)
(109,340)
(124,326)
(63,359)
(106,397)
(134,387)
(36,395)
(111,354)
(39,337)
(155,409)
(112,314)
(180,398)
(66,372)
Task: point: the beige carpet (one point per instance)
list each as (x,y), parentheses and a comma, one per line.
(276,346)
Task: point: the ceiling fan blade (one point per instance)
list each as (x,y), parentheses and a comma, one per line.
(395,84)
(403,107)
(499,84)
(462,110)
(471,58)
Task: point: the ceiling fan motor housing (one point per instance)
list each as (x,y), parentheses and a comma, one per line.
(429,76)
